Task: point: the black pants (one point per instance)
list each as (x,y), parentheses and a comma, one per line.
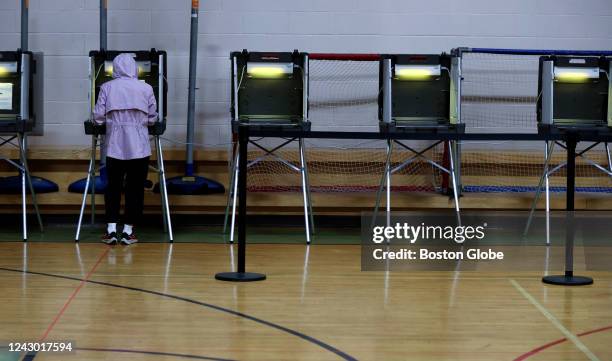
(134,172)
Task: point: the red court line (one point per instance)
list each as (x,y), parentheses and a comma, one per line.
(536,350)
(73,295)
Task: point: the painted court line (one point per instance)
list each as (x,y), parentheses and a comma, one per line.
(305,337)
(569,335)
(73,295)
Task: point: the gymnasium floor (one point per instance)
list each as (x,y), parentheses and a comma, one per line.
(156,301)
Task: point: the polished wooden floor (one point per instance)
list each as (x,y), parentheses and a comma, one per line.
(161,302)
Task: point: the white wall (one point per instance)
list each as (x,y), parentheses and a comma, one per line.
(65,30)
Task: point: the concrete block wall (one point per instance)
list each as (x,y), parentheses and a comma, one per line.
(65,30)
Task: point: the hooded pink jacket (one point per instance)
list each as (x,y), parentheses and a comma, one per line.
(128,107)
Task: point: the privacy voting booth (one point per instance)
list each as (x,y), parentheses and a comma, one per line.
(270,90)
(21,114)
(152,69)
(420,93)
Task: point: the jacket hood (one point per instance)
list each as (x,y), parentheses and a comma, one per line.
(124,66)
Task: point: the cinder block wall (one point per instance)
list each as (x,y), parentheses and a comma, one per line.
(65,30)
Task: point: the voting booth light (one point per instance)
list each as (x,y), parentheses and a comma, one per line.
(575,75)
(144,68)
(417,72)
(269,70)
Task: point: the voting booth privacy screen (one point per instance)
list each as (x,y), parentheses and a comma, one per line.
(420,88)
(269,87)
(575,91)
(152,69)
(21,91)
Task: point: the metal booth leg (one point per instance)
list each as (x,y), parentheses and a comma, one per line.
(383,181)
(93,183)
(609,156)
(304,191)
(550,148)
(25,178)
(91,173)
(163,189)
(452,157)
(388,188)
(230,195)
(308,193)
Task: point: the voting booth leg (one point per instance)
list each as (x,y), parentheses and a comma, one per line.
(26,181)
(609,157)
(91,180)
(241,275)
(231,199)
(543,179)
(230,195)
(305,185)
(547,195)
(307,188)
(568,279)
(452,153)
(161,171)
(305,195)
(384,180)
(93,184)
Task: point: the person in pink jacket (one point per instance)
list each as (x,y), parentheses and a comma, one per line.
(127,106)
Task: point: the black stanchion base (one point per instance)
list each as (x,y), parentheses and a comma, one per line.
(567,280)
(240,276)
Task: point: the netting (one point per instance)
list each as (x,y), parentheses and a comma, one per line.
(344,96)
(499,94)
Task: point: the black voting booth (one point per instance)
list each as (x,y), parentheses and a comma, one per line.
(152,69)
(270,91)
(21,114)
(420,93)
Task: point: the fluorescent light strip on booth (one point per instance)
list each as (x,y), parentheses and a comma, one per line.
(7,68)
(269,70)
(575,75)
(417,72)
(143,67)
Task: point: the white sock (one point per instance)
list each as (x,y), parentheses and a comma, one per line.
(111,227)
(127,229)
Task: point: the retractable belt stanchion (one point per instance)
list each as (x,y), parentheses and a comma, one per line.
(568,279)
(241,275)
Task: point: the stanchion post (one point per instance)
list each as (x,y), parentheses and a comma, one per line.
(242,197)
(568,279)
(241,275)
